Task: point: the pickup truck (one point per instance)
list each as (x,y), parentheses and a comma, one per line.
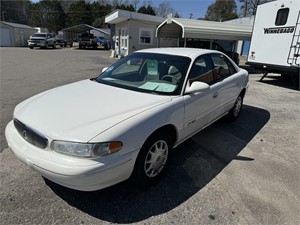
(87,40)
(62,42)
(42,40)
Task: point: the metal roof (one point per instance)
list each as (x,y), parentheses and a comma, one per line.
(85,27)
(17,25)
(188,28)
(120,15)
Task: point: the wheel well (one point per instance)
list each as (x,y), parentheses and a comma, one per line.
(243,92)
(169,130)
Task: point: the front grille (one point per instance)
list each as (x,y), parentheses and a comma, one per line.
(36,40)
(31,136)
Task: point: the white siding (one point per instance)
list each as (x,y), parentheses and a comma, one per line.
(5,37)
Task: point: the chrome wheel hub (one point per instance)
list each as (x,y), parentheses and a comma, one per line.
(156,158)
(237,106)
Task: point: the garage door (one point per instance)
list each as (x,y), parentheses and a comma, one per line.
(5,37)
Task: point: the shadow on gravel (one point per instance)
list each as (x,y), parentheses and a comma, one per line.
(290,82)
(192,166)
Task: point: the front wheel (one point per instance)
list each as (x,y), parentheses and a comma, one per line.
(152,160)
(234,113)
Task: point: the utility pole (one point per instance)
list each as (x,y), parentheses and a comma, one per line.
(246,7)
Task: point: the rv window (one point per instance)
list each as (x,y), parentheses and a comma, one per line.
(282,16)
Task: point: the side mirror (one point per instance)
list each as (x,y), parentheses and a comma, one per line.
(197,86)
(105,68)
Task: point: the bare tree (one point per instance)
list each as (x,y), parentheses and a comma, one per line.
(117,2)
(249,7)
(164,9)
(135,3)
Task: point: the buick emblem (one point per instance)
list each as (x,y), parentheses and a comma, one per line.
(25,135)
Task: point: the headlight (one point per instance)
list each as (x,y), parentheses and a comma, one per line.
(87,150)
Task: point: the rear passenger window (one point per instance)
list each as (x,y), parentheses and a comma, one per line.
(282,16)
(202,70)
(222,67)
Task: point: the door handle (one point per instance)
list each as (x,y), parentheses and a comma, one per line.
(215,94)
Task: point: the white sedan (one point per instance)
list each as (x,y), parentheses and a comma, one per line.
(98,132)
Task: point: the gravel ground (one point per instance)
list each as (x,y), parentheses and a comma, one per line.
(246,172)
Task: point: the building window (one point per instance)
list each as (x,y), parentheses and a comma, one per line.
(145,36)
(282,16)
(124,38)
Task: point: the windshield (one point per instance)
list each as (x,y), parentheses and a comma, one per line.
(39,35)
(148,72)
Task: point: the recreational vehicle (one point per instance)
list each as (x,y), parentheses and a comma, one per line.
(275,38)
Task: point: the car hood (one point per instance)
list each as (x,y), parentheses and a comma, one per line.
(82,110)
(37,38)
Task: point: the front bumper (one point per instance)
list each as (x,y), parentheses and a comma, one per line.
(36,44)
(76,173)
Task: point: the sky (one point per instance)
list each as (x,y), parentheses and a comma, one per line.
(198,8)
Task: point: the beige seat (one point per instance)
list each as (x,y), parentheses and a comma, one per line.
(175,73)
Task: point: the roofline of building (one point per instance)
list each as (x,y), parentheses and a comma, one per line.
(120,15)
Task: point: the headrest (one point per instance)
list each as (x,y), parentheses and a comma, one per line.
(173,70)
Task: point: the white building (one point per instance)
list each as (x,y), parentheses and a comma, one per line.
(14,34)
(134,31)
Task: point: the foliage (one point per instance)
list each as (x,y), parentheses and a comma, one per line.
(15,11)
(147,10)
(58,14)
(221,10)
(79,13)
(47,14)
(249,7)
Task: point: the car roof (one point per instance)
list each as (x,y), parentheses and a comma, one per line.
(188,52)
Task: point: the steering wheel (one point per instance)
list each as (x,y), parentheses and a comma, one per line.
(169,76)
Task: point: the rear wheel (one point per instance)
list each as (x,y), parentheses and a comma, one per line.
(234,113)
(152,160)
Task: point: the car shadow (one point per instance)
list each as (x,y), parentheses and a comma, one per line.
(192,166)
(290,82)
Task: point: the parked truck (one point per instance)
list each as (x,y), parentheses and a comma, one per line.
(275,41)
(42,40)
(87,40)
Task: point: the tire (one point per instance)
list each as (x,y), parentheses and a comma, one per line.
(152,160)
(234,113)
(31,47)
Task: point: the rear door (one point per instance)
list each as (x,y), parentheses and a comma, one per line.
(228,80)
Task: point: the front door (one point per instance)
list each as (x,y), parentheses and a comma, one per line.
(200,107)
